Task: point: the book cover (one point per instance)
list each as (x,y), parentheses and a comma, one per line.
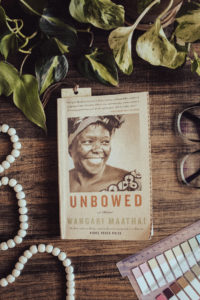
(104,167)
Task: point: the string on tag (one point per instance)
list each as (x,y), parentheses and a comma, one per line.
(53,87)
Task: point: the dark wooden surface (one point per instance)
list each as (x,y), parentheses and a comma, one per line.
(174,205)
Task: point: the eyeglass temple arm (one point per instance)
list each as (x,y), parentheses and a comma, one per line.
(193,176)
(191,117)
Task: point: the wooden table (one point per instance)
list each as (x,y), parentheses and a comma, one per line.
(174,205)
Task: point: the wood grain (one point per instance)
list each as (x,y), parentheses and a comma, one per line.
(174,205)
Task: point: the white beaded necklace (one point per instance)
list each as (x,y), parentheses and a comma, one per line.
(23,218)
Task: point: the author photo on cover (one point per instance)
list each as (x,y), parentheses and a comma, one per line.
(89,141)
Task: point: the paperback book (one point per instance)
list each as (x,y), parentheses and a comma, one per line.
(104,166)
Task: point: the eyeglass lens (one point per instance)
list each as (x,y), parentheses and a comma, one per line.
(189,123)
(190,169)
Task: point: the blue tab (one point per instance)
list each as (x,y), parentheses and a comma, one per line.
(198,238)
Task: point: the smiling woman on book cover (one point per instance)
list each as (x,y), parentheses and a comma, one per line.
(89,140)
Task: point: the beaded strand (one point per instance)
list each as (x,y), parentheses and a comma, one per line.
(23,218)
(16,147)
(41,248)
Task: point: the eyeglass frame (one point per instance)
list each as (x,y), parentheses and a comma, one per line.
(184,158)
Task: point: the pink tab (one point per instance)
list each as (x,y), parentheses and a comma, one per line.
(161,297)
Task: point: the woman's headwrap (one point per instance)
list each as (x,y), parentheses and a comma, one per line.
(76,125)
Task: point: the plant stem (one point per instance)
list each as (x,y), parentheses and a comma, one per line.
(92,38)
(90,32)
(145,12)
(30,8)
(166,10)
(23,62)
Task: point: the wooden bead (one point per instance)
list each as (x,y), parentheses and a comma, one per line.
(70,291)
(18,188)
(41,248)
(28,254)
(70,277)
(15,153)
(66,262)
(56,251)
(20,195)
(23,225)
(4,128)
(11,243)
(11,131)
(3,282)
(22,233)
(23,218)
(14,138)
(16,273)
(10,278)
(22,203)
(19,266)
(49,248)
(23,260)
(18,239)
(33,249)
(17,145)
(12,182)
(3,246)
(23,210)
(70,283)
(62,256)
(69,269)
(4,180)
(5,164)
(10,158)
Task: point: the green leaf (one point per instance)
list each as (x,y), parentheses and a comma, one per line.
(188,29)
(154,47)
(8,78)
(25,93)
(195,66)
(26,98)
(142,4)
(99,65)
(103,14)
(56,28)
(63,48)
(120,41)
(50,70)
(8,44)
(34,6)
(180,45)
(3,25)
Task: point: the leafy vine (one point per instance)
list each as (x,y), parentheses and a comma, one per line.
(49,39)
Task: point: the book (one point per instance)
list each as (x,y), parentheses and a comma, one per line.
(104,162)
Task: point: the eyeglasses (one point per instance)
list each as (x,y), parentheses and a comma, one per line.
(188,125)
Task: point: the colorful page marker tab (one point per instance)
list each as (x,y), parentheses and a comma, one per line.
(188,254)
(173,263)
(195,248)
(141,281)
(148,276)
(165,268)
(181,259)
(157,272)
